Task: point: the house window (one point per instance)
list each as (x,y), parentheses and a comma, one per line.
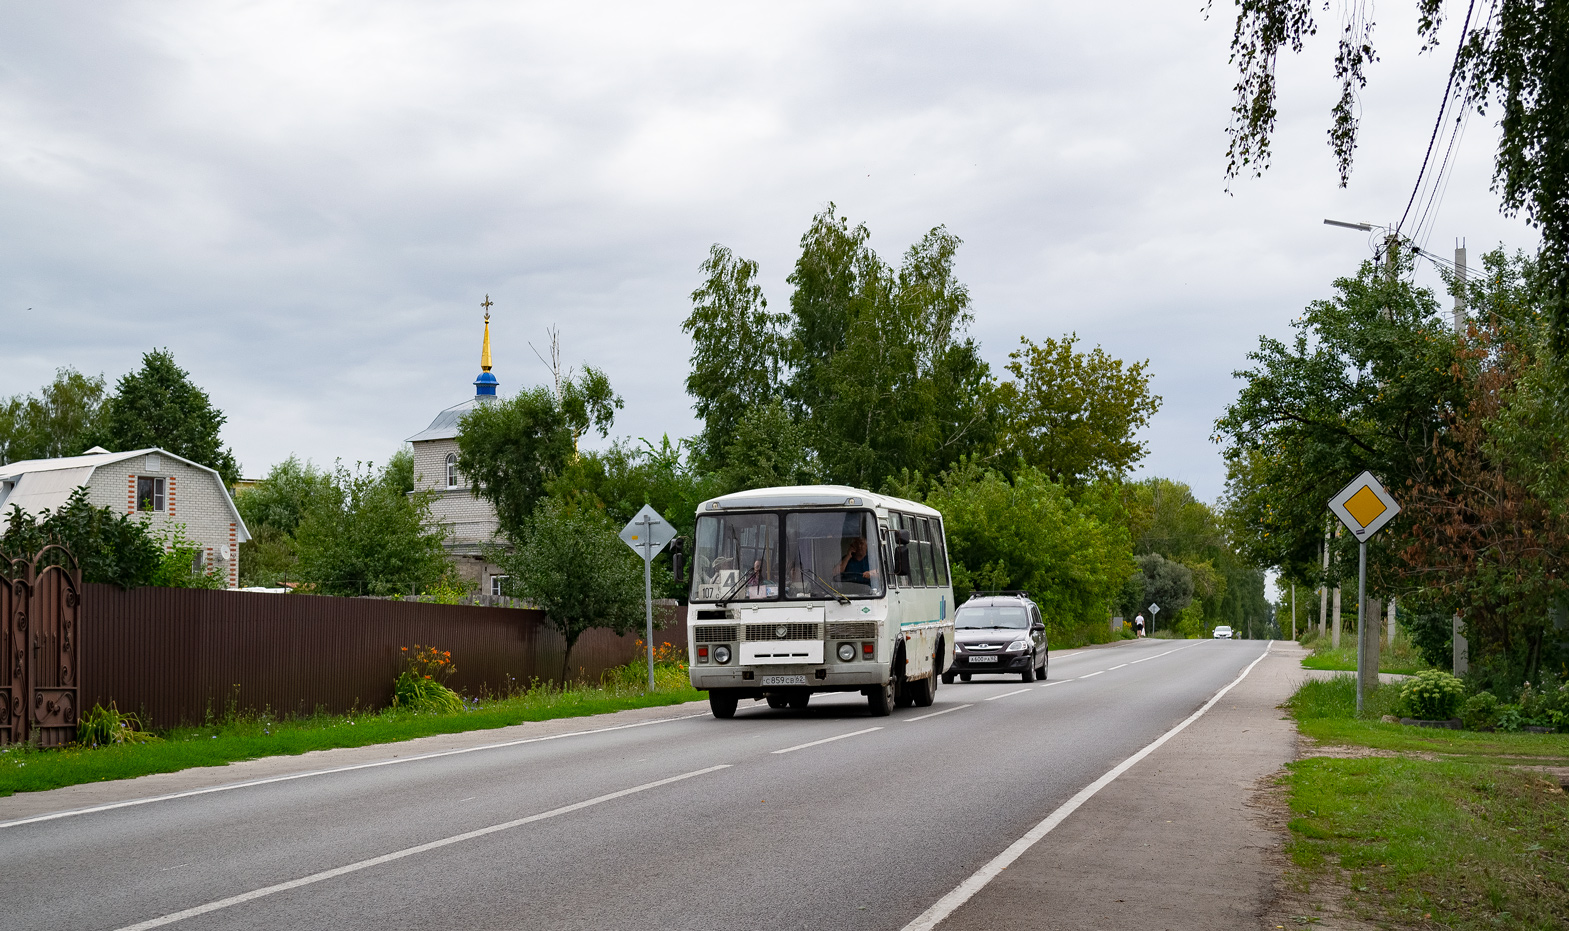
(149,493)
(496,583)
(452,470)
(154,463)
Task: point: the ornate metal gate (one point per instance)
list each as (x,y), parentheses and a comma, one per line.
(40,601)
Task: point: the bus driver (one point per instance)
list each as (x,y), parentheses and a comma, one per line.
(856,566)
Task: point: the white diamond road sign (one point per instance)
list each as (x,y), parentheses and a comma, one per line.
(1364,506)
(647,533)
(1154,608)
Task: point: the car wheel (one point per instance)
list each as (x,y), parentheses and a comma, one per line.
(879,698)
(776,701)
(1040,672)
(947,678)
(1028,675)
(799,702)
(964,677)
(722,703)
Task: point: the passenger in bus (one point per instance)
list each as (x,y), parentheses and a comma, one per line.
(856,566)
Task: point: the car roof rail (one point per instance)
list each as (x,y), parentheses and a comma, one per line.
(1005,593)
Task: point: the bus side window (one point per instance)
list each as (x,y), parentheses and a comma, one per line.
(893,580)
(900,522)
(928,566)
(940,551)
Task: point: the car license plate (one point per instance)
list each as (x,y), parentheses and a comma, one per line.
(784,680)
(983,659)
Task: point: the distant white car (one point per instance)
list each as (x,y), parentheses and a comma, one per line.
(1223,633)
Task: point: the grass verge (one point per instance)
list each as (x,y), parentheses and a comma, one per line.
(250,736)
(1404,659)
(1428,828)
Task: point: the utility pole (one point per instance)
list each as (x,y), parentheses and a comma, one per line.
(1460,275)
(1323,589)
(1293,610)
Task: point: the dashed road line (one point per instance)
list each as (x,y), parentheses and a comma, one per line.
(827,740)
(936,713)
(1092,674)
(1006,694)
(405,852)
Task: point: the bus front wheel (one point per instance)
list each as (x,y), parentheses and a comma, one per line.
(722,703)
(879,698)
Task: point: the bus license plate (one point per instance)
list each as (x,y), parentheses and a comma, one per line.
(983,659)
(784,680)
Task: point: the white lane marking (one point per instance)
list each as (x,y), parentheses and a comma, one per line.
(936,713)
(327,772)
(1116,667)
(828,740)
(1058,682)
(1092,674)
(1156,656)
(1006,694)
(406,852)
(946,905)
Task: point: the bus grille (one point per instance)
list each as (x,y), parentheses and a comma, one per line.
(852,630)
(715,634)
(793,631)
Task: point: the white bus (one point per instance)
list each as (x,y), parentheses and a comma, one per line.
(818,588)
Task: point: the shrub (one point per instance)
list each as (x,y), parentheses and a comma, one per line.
(1480,711)
(1432,695)
(102,727)
(419,686)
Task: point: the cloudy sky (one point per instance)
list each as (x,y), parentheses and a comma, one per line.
(306,202)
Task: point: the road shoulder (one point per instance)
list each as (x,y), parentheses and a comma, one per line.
(1177,842)
(88,795)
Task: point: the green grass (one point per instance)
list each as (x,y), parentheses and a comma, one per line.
(1402,660)
(250,736)
(1462,839)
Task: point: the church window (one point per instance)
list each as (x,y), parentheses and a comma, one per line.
(452,470)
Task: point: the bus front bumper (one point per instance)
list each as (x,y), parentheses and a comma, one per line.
(825,677)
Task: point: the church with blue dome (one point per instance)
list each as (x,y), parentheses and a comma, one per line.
(470,520)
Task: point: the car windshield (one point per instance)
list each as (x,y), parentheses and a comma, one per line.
(990,617)
(736,558)
(829,554)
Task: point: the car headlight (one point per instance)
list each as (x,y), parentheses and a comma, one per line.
(1018,646)
(846,652)
(721,655)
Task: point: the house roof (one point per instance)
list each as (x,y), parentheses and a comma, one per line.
(445,426)
(48,483)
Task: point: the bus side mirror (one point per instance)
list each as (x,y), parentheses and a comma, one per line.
(901,552)
(678,559)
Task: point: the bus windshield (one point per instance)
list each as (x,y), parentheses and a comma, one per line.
(736,558)
(831,554)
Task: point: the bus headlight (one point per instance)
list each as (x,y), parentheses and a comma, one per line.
(1018,646)
(721,654)
(846,652)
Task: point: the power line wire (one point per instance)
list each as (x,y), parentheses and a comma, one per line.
(1454,69)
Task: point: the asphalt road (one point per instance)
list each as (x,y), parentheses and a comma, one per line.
(826,818)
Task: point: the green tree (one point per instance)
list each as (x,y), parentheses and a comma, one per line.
(1028,533)
(1161,581)
(1074,415)
(158,405)
(737,348)
(1365,384)
(364,536)
(767,448)
(569,562)
(59,421)
(273,510)
(512,450)
(110,548)
(1513,56)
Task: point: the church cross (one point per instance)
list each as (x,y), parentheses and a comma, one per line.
(486,303)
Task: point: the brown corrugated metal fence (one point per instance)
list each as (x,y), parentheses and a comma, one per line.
(171,655)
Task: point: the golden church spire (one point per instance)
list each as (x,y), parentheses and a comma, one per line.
(484,352)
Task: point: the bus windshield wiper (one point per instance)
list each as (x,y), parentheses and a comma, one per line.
(843,598)
(740,584)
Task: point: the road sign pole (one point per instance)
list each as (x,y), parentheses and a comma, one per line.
(648,604)
(1361,616)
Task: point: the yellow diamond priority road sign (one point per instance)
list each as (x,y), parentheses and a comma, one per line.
(1364,506)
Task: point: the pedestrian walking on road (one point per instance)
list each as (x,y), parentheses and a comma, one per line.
(1138,626)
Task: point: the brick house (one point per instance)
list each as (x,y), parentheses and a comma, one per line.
(156,486)
(470,520)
